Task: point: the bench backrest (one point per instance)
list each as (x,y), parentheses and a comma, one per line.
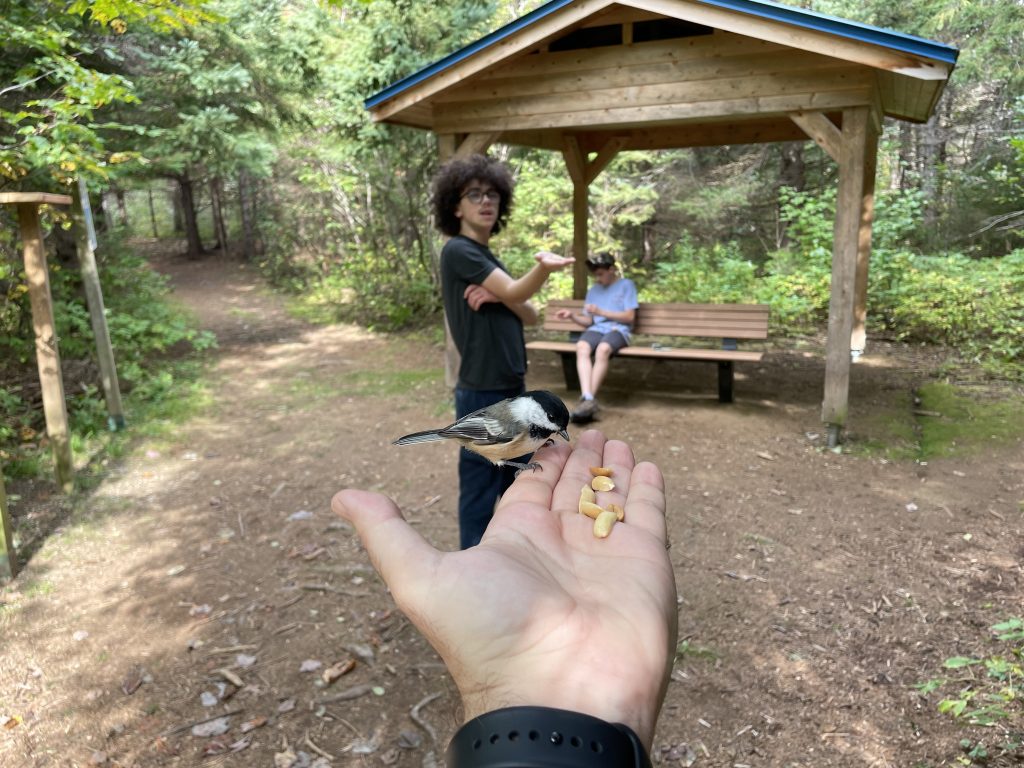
(723,321)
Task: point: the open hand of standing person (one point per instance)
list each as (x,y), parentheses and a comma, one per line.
(541,612)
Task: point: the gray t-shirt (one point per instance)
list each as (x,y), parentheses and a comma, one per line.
(490,339)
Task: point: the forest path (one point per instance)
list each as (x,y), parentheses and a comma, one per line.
(815,588)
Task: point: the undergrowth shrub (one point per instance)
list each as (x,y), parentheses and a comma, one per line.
(143,324)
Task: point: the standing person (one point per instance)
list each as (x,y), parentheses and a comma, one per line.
(486,309)
(609,311)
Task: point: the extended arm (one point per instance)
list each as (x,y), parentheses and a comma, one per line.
(517,291)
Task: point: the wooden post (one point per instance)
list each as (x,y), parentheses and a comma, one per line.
(858,337)
(583,171)
(47,354)
(576,163)
(97,315)
(8,561)
(849,214)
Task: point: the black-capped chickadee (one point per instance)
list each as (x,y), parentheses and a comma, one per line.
(505,430)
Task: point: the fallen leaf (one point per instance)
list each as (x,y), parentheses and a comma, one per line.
(338,669)
(286,706)
(212,728)
(285,759)
(133,680)
(251,725)
(244,660)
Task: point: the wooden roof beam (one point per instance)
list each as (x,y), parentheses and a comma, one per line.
(797,37)
(530,37)
(822,130)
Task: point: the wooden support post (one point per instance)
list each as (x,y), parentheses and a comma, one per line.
(859,335)
(47,354)
(849,205)
(8,561)
(97,315)
(583,171)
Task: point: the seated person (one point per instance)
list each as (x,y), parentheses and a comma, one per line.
(608,314)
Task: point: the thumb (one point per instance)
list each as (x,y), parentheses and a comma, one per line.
(397,550)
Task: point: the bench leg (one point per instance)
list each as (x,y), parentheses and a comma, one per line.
(572,377)
(725,381)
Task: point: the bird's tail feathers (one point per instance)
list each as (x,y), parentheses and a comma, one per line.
(429,436)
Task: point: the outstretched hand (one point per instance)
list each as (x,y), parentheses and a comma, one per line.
(541,612)
(552,262)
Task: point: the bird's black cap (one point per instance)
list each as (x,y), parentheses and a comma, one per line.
(552,405)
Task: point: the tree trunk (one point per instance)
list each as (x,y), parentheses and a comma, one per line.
(152,213)
(929,155)
(188,209)
(122,207)
(217,212)
(178,217)
(243,207)
(791,174)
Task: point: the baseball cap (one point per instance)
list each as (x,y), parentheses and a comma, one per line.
(601,260)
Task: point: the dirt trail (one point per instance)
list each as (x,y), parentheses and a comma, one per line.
(816,589)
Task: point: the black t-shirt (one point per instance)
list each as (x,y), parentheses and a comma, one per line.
(490,339)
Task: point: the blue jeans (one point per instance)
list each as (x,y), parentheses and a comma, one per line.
(481,483)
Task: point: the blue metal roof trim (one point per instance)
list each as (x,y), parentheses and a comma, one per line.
(800,17)
(853,30)
(463,53)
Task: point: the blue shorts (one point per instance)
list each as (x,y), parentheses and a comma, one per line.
(613,339)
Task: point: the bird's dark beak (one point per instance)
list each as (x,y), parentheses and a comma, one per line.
(564,434)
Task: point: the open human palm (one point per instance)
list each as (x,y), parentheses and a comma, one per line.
(542,612)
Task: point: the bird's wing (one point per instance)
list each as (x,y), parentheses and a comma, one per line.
(478,429)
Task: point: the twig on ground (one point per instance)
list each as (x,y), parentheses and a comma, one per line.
(347,695)
(414,715)
(315,748)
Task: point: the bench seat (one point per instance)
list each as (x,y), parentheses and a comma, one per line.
(725,322)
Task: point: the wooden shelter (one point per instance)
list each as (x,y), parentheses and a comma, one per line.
(590,78)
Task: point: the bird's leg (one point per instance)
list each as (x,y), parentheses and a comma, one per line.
(520,467)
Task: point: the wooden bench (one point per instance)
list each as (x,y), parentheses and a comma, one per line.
(727,322)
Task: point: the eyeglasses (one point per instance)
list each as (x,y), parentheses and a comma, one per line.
(476,196)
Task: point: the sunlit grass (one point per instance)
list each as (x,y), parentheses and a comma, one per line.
(944,421)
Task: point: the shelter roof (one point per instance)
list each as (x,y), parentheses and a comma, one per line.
(630,66)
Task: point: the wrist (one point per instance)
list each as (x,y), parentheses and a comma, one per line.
(537,737)
(621,701)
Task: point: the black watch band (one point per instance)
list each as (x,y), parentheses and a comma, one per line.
(539,737)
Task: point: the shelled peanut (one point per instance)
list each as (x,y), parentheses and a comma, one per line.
(604,517)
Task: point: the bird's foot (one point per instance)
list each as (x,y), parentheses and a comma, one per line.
(520,468)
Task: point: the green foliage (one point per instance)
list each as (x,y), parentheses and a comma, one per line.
(62,76)
(990,691)
(144,327)
(703,276)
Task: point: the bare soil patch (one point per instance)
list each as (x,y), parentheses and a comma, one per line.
(206,577)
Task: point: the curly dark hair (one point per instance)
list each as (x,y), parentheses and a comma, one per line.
(451,181)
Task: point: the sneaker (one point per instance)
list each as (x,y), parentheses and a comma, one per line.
(584,412)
